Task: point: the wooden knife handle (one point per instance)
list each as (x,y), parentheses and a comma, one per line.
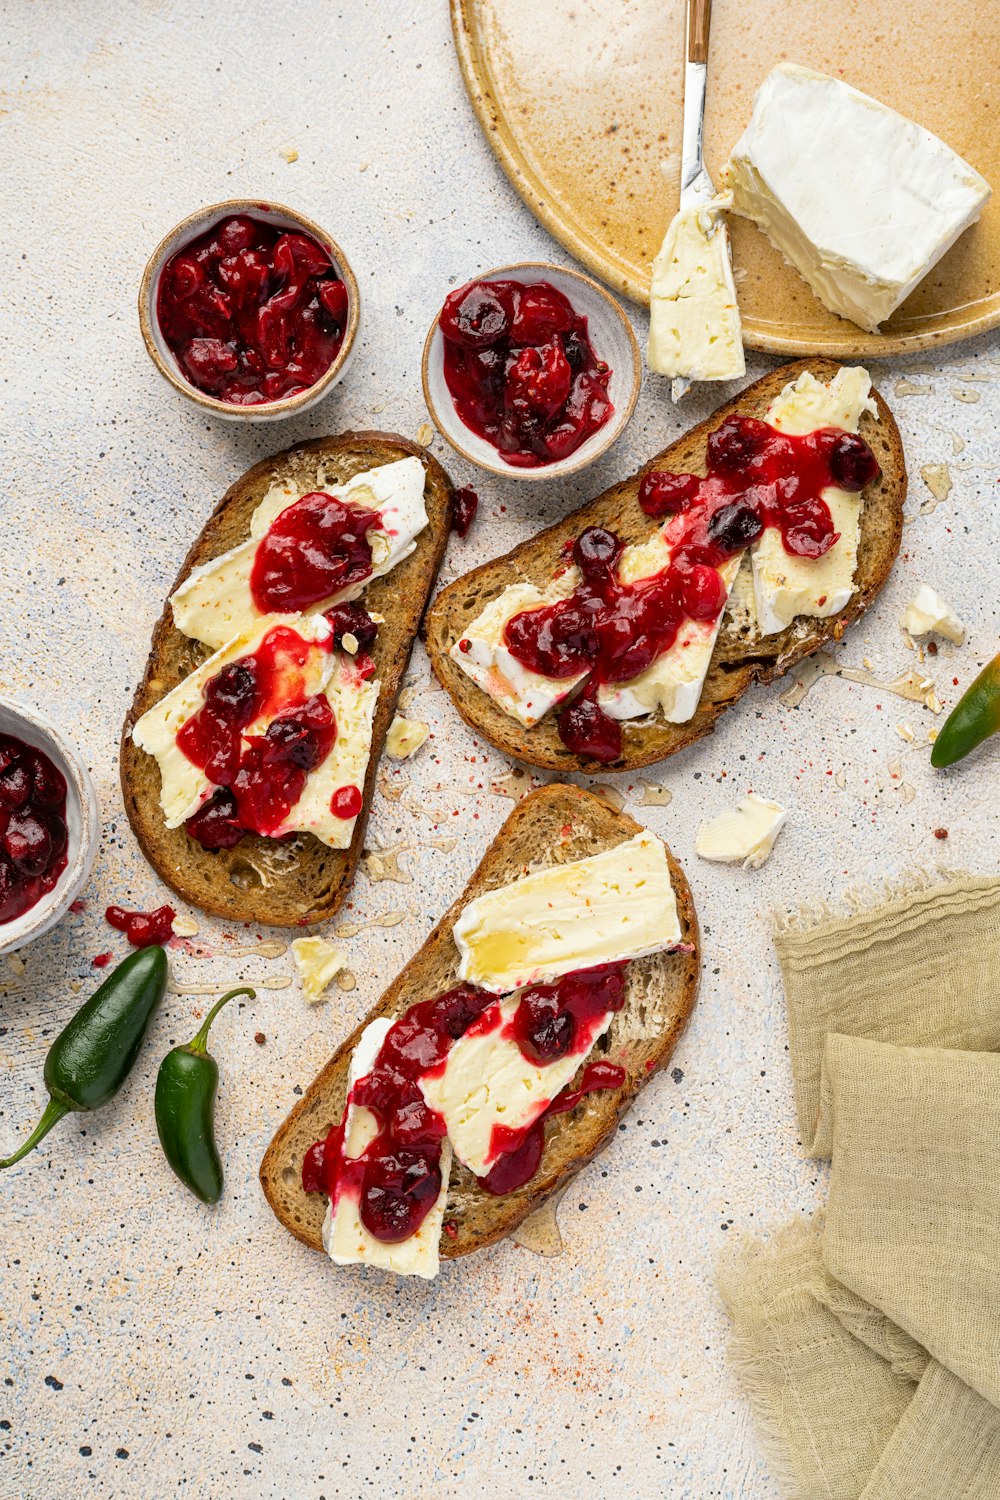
(699,22)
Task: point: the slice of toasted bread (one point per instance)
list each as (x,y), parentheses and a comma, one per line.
(553,825)
(302,881)
(741,657)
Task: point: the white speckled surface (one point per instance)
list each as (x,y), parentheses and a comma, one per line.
(153,1347)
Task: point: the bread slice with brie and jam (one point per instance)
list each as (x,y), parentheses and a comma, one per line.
(249,755)
(617,636)
(502,1057)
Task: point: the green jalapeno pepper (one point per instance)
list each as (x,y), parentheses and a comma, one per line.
(185,1110)
(93,1055)
(974,718)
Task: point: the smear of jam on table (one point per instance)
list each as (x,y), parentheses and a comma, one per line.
(252,312)
(522,371)
(33,835)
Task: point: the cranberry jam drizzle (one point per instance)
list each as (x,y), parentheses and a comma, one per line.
(252,312)
(757,477)
(33,834)
(522,371)
(397,1178)
(144,929)
(260,776)
(313,549)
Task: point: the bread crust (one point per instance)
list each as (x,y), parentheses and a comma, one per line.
(736,662)
(553,824)
(304,881)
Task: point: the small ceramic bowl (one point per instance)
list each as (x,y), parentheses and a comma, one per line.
(159,352)
(612,337)
(82,824)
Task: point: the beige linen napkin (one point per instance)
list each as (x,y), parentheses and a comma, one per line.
(870,1345)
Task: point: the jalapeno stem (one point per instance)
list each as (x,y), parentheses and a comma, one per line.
(53,1113)
(199,1043)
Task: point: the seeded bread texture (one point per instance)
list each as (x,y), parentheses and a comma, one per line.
(741,657)
(302,881)
(554,825)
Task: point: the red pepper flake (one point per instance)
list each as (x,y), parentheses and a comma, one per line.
(260,1038)
(102,960)
(78,905)
(451,1230)
(940,833)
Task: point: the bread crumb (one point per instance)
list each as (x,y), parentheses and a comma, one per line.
(425,434)
(290,154)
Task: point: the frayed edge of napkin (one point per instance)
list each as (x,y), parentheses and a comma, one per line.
(862,898)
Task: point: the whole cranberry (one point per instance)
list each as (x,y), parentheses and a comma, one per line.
(245,277)
(48,785)
(703,594)
(464,507)
(28,844)
(56,825)
(807,528)
(208,362)
(333,295)
(538,381)
(733,446)
(473,316)
(15,786)
(9,887)
(397,1197)
(734,526)
(352,619)
(290,740)
(236,234)
(232,692)
(544,1033)
(662,494)
(852,463)
(542,312)
(586,729)
(215,824)
(596,551)
(9,752)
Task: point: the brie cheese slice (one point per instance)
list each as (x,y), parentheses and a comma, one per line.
(694,321)
(611,906)
(215,603)
(345,1238)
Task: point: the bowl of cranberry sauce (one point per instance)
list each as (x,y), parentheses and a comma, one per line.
(250,310)
(531,371)
(48,825)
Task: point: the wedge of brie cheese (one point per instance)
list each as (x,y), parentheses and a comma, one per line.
(611,906)
(345,1237)
(487,1082)
(215,603)
(786,585)
(694,320)
(525,695)
(183,785)
(861,201)
(743,834)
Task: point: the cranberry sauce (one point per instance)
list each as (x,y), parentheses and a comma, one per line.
(464,507)
(143,928)
(397,1178)
(313,549)
(519,1162)
(522,371)
(757,477)
(252,312)
(261,775)
(33,835)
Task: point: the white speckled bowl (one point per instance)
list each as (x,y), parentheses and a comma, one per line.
(156,345)
(612,337)
(82,823)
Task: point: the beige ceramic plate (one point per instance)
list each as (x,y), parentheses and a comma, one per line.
(581,101)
